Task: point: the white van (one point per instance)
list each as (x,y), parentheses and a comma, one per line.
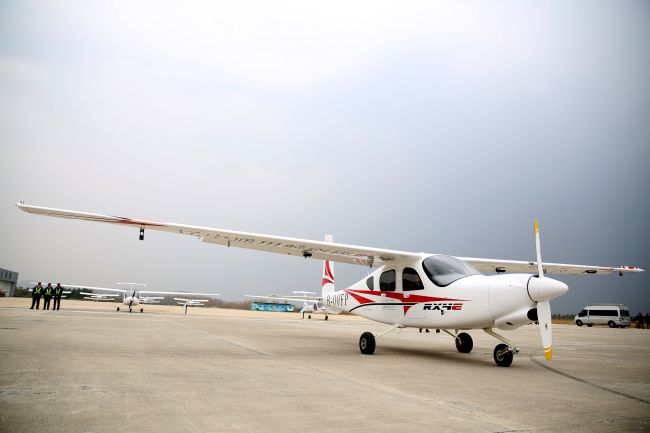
(613,315)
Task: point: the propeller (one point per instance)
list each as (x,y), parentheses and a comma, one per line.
(541,290)
(132,297)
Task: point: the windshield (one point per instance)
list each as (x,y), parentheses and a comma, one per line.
(444,270)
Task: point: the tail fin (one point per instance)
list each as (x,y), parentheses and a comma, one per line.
(328,273)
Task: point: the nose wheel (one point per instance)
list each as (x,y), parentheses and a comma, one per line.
(503,355)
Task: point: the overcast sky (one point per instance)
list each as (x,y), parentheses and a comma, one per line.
(443,127)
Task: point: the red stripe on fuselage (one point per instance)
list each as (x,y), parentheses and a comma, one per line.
(401,296)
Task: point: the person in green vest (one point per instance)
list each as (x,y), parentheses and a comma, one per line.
(48,292)
(58,291)
(37,292)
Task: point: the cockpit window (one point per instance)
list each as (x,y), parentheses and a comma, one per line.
(444,270)
(411,280)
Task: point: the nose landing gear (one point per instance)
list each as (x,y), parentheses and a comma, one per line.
(503,353)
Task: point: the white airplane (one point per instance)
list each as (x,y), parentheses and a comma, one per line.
(185,302)
(408,289)
(311,304)
(132,297)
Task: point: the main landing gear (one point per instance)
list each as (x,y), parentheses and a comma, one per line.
(118,308)
(367,340)
(503,353)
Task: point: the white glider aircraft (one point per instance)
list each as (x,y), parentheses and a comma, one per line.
(185,302)
(132,297)
(408,289)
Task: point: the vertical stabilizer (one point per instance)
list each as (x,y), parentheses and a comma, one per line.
(328,273)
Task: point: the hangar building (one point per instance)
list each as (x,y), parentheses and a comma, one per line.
(8,281)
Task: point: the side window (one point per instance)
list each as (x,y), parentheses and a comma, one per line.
(411,280)
(387,281)
(583,313)
(370,282)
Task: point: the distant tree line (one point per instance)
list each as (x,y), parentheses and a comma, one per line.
(562,316)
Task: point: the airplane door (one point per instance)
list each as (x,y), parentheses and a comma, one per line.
(411,286)
(390,308)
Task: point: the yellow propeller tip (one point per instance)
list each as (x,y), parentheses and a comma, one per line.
(536,227)
(548,352)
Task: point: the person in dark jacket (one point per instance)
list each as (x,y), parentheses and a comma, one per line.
(47,296)
(58,291)
(37,292)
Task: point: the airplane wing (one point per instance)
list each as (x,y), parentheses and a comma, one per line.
(190,301)
(151,299)
(100,295)
(76,286)
(320,250)
(142,292)
(496,265)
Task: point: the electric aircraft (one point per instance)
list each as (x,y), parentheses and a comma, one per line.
(132,297)
(407,289)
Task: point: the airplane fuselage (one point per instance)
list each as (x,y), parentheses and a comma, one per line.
(470,302)
(131,301)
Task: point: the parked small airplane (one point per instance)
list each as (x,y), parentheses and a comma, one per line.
(311,304)
(184,302)
(408,289)
(132,297)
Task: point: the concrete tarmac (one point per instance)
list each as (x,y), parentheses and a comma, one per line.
(87,368)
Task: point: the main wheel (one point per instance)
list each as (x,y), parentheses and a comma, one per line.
(325,317)
(579,322)
(367,343)
(611,324)
(464,343)
(502,356)
(118,308)
(309,316)
(141,310)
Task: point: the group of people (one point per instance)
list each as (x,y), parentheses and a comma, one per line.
(643,321)
(47,294)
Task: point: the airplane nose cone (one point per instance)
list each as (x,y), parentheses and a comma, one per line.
(545,289)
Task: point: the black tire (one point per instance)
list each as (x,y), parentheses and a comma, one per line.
(579,322)
(325,317)
(611,324)
(464,343)
(118,308)
(309,316)
(142,310)
(367,343)
(505,359)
